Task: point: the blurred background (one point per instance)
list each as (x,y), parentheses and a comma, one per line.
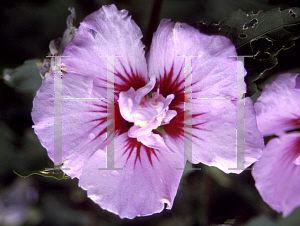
(205,197)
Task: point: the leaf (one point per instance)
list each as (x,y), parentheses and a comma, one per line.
(25,78)
(261,35)
(49,171)
(57,174)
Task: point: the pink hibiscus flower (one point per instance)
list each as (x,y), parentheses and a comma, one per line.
(145,121)
(277,173)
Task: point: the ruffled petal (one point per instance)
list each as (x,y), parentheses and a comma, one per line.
(214,93)
(278,107)
(148,180)
(136,131)
(277,176)
(145,114)
(127,104)
(83,122)
(154,141)
(170,114)
(153,108)
(214,72)
(130,100)
(141,92)
(214,140)
(108,32)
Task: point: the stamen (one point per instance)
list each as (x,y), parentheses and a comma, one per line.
(141,124)
(151,110)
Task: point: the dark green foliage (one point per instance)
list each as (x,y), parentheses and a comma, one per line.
(261,35)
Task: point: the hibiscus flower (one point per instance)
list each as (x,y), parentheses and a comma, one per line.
(139,109)
(277,173)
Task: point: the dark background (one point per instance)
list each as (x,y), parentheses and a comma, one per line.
(205,197)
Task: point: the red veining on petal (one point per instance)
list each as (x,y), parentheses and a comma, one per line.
(120,123)
(131,144)
(132,79)
(293,150)
(175,128)
(136,81)
(101,109)
(293,123)
(170,83)
(297,145)
(129,79)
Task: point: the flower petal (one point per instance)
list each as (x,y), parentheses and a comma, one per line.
(127,104)
(276,176)
(136,131)
(108,32)
(214,93)
(141,188)
(170,114)
(130,100)
(151,110)
(154,141)
(214,73)
(83,122)
(214,140)
(278,107)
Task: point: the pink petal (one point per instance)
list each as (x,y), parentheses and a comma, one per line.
(127,104)
(170,114)
(277,176)
(148,112)
(214,135)
(83,122)
(213,76)
(108,32)
(136,131)
(154,141)
(130,100)
(278,107)
(254,142)
(149,179)
(214,73)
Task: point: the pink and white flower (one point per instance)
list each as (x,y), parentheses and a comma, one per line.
(149,110)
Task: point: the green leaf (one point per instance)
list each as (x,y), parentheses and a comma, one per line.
(49,171)
(25,78)
(57,174)
(261,35)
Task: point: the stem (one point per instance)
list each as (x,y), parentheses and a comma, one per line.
(153,22)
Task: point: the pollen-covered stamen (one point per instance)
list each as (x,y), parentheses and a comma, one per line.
(150,114)
(141,124)
(157,103)
(146,112)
